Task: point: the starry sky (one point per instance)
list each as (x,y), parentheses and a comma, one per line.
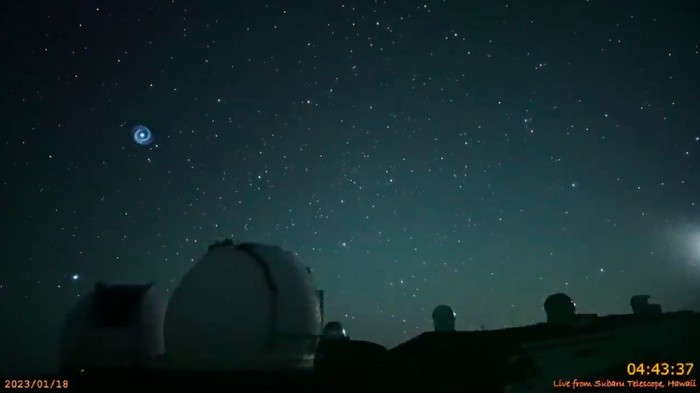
(483,154)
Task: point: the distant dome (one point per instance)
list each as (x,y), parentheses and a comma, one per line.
(443,318)
(244,306)
(334,330)
(113,326)
(442,312)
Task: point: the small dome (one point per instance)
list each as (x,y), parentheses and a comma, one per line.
(113,326)
(334,330)
(244,306)
(443,311)
(443,318)
(559,308)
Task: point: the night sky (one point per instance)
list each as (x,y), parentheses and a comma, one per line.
(482,154)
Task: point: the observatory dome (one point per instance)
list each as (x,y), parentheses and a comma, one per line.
(244,306)
(113,326)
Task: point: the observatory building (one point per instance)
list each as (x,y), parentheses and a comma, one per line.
(113,326)
(244,306)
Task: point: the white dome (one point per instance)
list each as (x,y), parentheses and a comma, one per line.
(113,326)
(244,306)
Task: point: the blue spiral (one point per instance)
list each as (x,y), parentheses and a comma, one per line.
(142,135)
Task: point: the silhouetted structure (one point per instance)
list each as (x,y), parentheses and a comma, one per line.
(334,330)
(113,326)
(640,305)
(322,303)
(560,309)
(337,356)
(443,319)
